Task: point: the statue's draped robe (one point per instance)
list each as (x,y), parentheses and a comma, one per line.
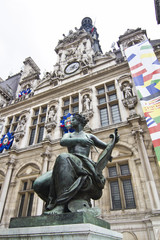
(73,177)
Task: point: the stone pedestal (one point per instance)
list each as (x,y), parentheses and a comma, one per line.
(69,226)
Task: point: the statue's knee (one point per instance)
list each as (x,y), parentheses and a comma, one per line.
(62,157)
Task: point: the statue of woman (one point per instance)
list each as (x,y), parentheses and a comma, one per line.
(75,176)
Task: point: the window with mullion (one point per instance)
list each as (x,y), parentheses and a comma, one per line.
(70,105)
(75,109)
(102,100)
(116,118)
(12,124)
(32,136)
(108,104)
(128,194)
(26,199)
(40,134)
(38,121)
(75,99)
(115,194)
(104,116)
(122,195)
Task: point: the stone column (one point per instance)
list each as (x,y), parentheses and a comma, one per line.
(5,186)
(150,183)
(46,156)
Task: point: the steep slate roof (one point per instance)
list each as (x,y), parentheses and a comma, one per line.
(9,86)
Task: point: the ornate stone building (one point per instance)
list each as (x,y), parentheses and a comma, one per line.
(98,85)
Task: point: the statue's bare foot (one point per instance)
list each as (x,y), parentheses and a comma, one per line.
(56,210)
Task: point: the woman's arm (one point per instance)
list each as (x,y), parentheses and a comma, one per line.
(97,142)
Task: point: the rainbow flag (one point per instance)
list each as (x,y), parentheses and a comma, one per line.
(145,70)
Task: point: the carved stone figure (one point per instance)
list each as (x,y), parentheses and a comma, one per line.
(21,124)
(86,103)
(47,76)
(20,131)
(75,179)
(52,114)
(127,90)
(57,71)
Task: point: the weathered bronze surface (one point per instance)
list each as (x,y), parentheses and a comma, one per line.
(75,178)
(59,219)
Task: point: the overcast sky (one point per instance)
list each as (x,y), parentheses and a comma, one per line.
(32,28)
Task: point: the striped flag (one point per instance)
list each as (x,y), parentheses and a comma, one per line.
(145,70)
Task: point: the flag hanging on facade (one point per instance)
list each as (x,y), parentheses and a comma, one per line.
(6,141)
(24,92)
(145,70)
(65,123)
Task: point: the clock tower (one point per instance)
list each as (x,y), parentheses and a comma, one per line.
(76,51)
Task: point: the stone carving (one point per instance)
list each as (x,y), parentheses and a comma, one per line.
(52,114)
(87,110)
(130,103)
(20,131)
(21,124)
(47,76)
(129,100)
(71,37)
(70,54)
(51,119)
(86,59)
(86,103)
(127,89)
(57,73)
(75,178)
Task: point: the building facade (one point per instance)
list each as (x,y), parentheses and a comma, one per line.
(99,86)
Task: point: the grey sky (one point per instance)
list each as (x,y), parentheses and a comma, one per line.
(33,27)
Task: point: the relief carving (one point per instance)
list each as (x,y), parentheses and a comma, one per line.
(87,109)
(51,121)
(129,100)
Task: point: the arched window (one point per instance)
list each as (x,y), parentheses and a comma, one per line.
(26,196)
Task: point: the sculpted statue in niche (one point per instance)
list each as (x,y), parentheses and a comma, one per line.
(127,90)
(129,100)
(20,131)
(52,114)
(21,124)
(86,101)
(75,179)
(51,122)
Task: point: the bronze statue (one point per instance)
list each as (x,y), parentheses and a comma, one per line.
(75,178)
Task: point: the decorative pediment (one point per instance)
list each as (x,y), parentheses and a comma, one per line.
(27,170)
(121,151)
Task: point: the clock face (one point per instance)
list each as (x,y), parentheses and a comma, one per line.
(72,67)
